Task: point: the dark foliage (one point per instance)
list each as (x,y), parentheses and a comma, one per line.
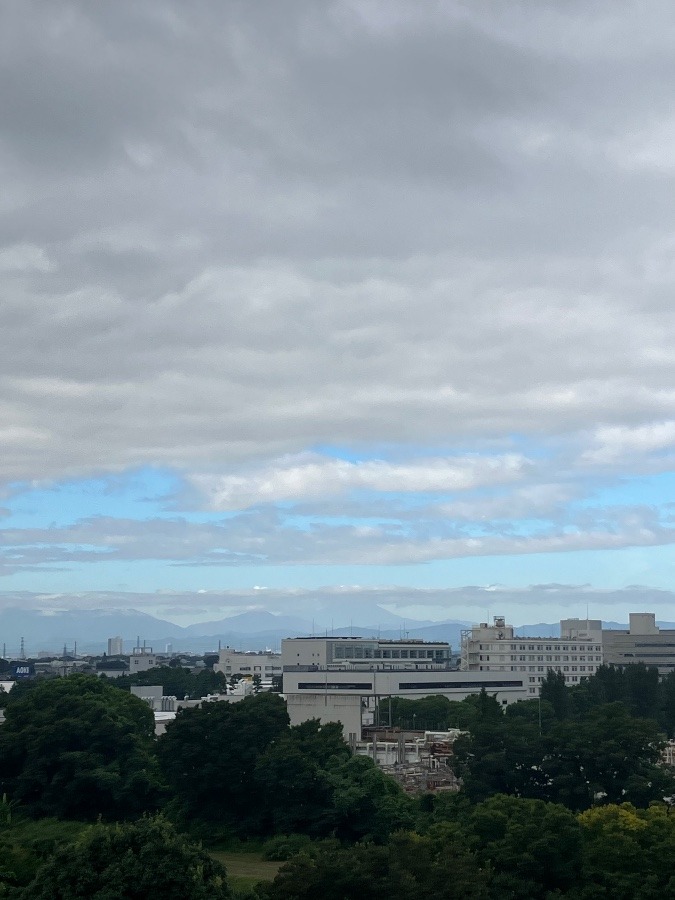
(78,748)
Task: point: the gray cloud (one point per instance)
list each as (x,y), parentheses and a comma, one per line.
(240,230)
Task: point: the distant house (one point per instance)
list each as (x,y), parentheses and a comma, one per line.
(112,668)
(142,659)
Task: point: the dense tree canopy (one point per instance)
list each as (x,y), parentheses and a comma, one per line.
(144,860)
(78,748)
(209,753)
(293,781)
(177,681)
(605,755)
(408,868)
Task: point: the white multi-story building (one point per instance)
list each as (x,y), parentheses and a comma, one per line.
(346,695)
(577,653)
(238,662)
(359,652)
(343,679)
(115,646)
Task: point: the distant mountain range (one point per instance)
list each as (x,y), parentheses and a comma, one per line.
(254,630)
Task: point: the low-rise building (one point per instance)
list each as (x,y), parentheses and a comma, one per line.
(142,659)
(360,652)
(112,668)
(238,662)
(349,695)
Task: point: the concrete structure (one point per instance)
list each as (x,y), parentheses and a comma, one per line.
(643,642)
(495,648)
(420,762)
(359,652)
(115,646)
(142,659)
(345,695)
(237,662)
(155,697)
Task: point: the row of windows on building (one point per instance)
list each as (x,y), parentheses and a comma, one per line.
(561,668)
(370,653)
(560,658)
(503,648)
(255,668)
(538,679)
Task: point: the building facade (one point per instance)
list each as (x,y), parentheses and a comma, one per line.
(142,659)
(577,653)
(359,652)
(237,662)
(115,646)
(344,679)
(347,695)
(643,642)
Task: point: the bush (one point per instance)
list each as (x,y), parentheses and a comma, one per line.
(284,846)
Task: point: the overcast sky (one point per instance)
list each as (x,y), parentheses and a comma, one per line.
(320,294)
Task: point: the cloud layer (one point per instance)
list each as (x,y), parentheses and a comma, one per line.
(378,282)
(237,232)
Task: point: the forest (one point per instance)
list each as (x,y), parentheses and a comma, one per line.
(565,796)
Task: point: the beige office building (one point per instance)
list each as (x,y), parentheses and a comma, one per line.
(643,642)
(577,653)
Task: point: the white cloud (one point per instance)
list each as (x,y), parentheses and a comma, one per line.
(616,444)
(264,537)
(312,477)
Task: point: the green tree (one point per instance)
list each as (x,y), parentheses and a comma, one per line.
(177,682)
(407,868)
(208,755)
(79,748)
(501,756)
(144,860)
(366,803)
(667,703)
(555,691)
(607,756)
(628,854)
(295,789)
(533,848)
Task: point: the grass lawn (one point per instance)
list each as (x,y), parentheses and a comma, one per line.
(246,868)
